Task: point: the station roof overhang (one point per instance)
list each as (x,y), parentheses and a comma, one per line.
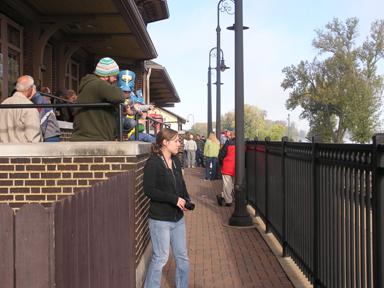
(112,28)
(162,91)
(153,10)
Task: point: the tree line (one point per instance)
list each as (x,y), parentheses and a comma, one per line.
(256,124)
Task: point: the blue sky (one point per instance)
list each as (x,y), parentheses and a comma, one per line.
(280,34)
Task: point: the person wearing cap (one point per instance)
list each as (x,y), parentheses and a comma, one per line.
(227,158)
(98,124)
(126,82)
(129,121)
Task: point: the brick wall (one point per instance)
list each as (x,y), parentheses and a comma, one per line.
(46,178)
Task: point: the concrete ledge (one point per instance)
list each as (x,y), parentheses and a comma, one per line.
(113,148)
(293,272)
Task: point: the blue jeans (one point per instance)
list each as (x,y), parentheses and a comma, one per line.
(210,168)
(52,139)
(163,235)
(144,137)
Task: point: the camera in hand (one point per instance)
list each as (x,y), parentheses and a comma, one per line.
(189,205)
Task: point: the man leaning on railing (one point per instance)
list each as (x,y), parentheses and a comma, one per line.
(98,124)
(21,125)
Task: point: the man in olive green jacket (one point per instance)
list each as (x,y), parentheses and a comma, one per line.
(98,124)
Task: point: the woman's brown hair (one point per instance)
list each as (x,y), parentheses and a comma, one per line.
(164,134)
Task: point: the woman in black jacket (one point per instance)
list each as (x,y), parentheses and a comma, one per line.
(165,186)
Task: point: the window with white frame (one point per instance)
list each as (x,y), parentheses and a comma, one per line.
(11,56)
(72,75)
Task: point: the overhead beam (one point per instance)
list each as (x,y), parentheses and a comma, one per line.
(76,17)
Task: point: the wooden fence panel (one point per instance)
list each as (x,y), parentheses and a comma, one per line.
(59,243)
(83,221)
(6,246)
(95,232)
(33,242)
(97,241)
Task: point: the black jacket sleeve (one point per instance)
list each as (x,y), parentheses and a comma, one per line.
(152,189)
(184,191)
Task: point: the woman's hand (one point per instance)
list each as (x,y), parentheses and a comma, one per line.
(181,203)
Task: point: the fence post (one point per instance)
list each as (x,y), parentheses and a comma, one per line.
(316,211)
(284,140)
(7,246)
(378,210)
(267,229)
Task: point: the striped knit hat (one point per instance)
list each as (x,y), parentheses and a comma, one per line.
(107,67)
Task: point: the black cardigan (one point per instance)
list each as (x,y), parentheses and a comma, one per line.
(160,187)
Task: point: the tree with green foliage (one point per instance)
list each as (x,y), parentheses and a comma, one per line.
(257,125)
(341,91)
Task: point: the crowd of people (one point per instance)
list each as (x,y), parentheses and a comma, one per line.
(107,84)
(217,157)
(163,177)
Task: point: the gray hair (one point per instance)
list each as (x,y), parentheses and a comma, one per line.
(24,83)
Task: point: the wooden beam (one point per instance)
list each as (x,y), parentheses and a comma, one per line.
(76,17)
(93,37)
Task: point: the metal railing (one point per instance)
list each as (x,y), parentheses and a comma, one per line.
(120,107)
(323,202)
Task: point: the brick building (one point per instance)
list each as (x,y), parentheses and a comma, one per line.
(58,42)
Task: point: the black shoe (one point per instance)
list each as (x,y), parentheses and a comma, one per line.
(220,200)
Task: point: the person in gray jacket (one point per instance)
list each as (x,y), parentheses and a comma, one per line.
(48,122)
(191,148)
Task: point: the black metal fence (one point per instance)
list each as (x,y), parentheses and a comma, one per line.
(323,202)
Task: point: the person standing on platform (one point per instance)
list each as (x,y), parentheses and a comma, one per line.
(211,152)
(227,157)
(169,199)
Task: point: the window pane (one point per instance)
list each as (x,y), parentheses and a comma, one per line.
(67,82)
(74,70)
(13,69)
(74,85)
(13,36)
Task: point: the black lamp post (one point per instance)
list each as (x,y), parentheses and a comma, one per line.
(222,68)
(222,6)
(240,216)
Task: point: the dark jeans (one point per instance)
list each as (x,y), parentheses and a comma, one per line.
(199,158)
(210,168)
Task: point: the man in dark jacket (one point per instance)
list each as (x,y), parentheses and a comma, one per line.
(98,124)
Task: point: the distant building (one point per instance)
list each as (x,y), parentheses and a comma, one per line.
(175,121)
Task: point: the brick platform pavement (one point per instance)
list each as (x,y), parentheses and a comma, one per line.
(222,256)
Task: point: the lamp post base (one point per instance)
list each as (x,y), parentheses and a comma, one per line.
(240,216)
(241,221)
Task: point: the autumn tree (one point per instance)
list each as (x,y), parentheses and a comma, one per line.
(340,91)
